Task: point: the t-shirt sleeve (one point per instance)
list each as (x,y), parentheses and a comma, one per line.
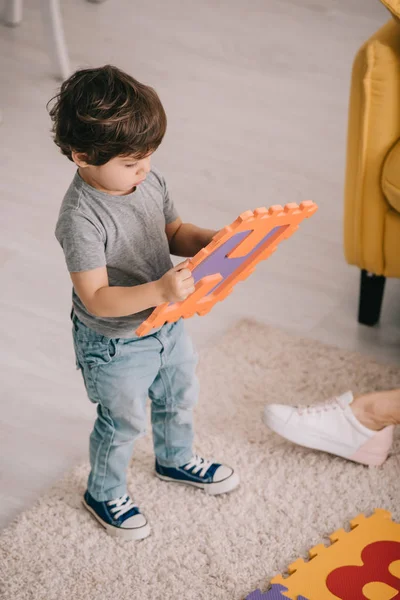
(82,242)
(170,212)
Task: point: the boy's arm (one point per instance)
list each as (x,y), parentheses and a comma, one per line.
(101,300)
(186,239)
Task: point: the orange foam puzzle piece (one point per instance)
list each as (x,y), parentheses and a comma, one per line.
(265,229)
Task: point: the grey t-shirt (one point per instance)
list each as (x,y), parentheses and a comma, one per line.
(124,233)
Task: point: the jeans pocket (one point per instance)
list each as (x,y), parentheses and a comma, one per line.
(99,353)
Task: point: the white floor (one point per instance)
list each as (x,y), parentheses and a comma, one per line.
(256,95)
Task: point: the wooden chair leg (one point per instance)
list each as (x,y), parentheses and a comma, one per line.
(54,33)
(12,14)
(371,295)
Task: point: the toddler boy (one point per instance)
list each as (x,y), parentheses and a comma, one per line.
(117,227)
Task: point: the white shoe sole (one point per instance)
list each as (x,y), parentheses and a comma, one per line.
(314,441)
(219,487)
(136,533)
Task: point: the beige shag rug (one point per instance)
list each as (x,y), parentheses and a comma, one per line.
(205,547)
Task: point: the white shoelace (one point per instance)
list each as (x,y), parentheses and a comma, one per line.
(198,464)
(120,506)
(327,406)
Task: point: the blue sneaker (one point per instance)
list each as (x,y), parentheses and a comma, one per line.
(211,477)
(119,517)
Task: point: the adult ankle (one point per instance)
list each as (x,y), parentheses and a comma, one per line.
(366,415)
(371,412)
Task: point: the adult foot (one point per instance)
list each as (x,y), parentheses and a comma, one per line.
(331,427)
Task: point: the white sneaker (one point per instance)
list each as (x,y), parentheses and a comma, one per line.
(331,427)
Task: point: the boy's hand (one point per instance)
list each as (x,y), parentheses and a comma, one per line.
(177,283)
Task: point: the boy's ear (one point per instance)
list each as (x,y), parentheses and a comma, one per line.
(79,158)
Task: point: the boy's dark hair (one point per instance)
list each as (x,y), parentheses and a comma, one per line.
(104,113)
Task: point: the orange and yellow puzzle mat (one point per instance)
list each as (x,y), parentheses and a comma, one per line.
(230,257)
(362,564)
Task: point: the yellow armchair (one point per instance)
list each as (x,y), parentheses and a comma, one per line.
(372,189)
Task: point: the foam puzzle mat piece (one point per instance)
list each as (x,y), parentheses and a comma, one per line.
(276,592)
(358,565)
(231,257)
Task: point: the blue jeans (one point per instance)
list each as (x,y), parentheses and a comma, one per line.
(119,375)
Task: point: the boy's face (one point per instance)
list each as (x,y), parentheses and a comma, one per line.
(118,176)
